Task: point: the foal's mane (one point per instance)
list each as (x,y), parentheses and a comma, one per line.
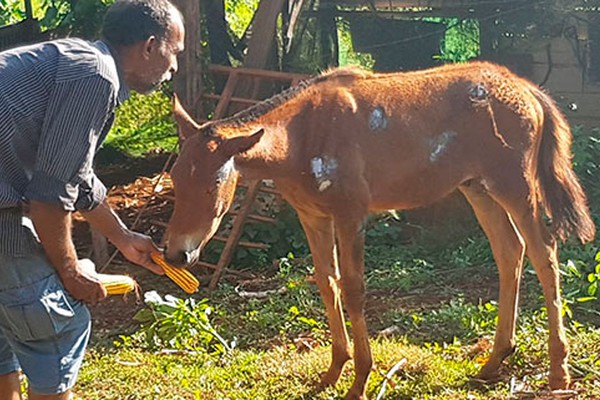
(258,110)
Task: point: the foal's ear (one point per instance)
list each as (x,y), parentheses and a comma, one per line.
(186,125)
(241,144)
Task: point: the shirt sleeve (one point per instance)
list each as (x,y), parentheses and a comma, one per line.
(77,113)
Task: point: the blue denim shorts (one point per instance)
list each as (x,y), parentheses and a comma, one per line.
(43,330)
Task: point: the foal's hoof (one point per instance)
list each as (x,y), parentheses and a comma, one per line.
(355,396)
(485,380)
(559,382)
(329,378)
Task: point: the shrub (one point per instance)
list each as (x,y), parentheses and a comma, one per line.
(173,323)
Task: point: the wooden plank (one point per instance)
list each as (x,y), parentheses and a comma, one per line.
(257,73)
(260,52)
(587,106)
(291,18)
(159,223)
(255,217)
(212,96)
(588,122)
(263,219)
(242,243)
(229,271)
(99,247)
(228,90)
(386,4)
(235,234)
(560,79)
(253,245)
(262,39)
(188,83)
(264,189)
(558,66)
(260,48)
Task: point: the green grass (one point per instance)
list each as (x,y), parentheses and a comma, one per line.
(440,301)
(443,323)
(431,372)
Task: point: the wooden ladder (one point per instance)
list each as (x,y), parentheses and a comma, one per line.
(252,188)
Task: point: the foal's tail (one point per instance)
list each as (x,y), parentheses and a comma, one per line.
(559,190)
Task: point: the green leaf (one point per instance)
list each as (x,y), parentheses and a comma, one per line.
(585,299)
(294,310)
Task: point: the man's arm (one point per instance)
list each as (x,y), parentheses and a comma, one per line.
(53,226)
(134,246)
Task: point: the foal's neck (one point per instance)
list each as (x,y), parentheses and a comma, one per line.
(268,158)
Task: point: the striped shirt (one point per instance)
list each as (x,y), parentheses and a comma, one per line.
(57,102)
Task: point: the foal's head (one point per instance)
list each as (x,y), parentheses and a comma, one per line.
(204,179)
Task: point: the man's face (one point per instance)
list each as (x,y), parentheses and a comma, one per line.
(160,59)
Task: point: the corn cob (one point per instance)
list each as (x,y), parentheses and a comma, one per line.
(182,277)
(117,284)
(114,284)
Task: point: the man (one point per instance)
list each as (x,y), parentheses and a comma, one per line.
(57,102)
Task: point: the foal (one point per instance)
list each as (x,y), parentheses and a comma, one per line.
(350,142)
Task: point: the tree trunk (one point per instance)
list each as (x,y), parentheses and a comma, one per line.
(261,52)
(264,31)
(219,40)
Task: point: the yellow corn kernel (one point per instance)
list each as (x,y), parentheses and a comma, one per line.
(117,284)
(181,276)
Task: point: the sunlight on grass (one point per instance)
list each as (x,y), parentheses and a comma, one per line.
(444,343)
(431,372)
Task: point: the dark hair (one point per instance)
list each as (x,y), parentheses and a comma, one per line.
(131,21)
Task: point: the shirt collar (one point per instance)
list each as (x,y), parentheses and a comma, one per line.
(124,92)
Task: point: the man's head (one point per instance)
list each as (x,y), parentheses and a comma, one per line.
(147,35)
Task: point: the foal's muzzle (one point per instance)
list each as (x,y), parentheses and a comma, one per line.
(182,258)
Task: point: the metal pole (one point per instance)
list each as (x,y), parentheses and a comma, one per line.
(28,9)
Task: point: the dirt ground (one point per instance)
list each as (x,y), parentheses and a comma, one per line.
(139,193)
(131,185)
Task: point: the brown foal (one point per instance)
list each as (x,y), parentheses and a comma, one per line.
(349,142)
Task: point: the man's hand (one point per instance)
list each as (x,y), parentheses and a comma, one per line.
(53,225)
(83,284)
(134,246)
(137,248)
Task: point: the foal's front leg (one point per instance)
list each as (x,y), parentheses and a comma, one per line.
(350,235)
(320,235)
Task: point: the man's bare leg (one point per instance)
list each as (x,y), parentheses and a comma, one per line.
(10,386)
(61,396)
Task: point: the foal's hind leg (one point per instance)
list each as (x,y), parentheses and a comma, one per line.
(350,235)
(320,234)
(542,252)
(508,249)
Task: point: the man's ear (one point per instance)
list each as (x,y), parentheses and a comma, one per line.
(240,144)
(186,125)
(149,44)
